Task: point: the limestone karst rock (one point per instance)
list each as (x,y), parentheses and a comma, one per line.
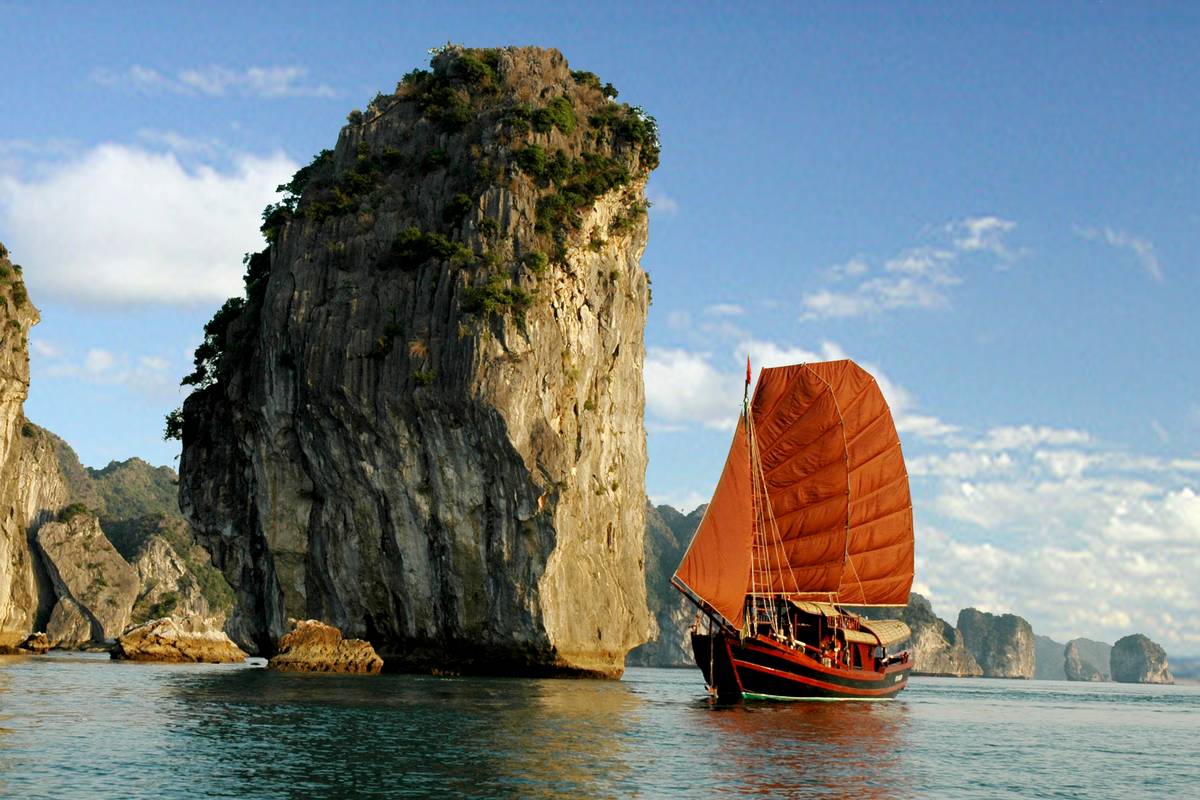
(312,646)
(1136,659)
(188,639)
(1048,659)
(69,626)
(668,533)
(1002,644)
(1093,652)
(169,586)
(937,647)
(423,423)
(30,487)
(1076,668)
(85,567)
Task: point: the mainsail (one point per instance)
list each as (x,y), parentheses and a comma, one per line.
(821,452)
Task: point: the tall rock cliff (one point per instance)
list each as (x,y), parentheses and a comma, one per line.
(668,534)
(1077,668)
(1090,652)
(1136,659)
(423,422)
(30,487)
(1003,645)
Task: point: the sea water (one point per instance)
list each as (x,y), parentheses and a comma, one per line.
(82,726)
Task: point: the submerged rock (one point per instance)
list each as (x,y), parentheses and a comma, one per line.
(1136,659)
(1076,668)
(313,646)
(1003,645)
(424,421)
(85,567)
(192,639)
(36,643)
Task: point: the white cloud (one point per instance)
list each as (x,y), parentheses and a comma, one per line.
(850,269)
(983,234)
(1142,249)
(144,375)
(1014,437)
(918,278)
(725,310)
(683,388)
(216,81)
(121,225)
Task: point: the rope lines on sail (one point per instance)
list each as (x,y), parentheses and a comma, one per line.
(762,592)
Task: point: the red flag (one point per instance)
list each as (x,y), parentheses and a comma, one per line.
(747,370)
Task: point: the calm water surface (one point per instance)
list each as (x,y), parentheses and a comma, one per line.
(81,726)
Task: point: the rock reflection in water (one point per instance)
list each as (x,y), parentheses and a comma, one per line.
(820,749)
(411,735)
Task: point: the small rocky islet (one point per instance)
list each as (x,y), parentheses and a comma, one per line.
(406,429)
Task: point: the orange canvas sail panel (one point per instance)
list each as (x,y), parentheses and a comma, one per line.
(716,567)
(879,544)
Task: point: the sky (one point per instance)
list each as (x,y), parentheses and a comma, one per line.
(993,207)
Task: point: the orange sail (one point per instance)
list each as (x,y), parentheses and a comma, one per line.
(833,514)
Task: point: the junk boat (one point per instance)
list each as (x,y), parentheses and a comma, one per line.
(811,519)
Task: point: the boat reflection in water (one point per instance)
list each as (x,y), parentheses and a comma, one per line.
(814,749)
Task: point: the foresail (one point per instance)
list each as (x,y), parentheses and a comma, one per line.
(716,567)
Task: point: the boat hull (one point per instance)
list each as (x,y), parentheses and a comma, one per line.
(759,668)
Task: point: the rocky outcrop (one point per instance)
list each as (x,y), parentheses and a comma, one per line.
(937,647)
(313,646)
(1076,668)
(169,586)
(1003,645)
(1048,659)
(668,534)
(85,568)
(1136,659)
(424,421)
(69,626)
(1094,653)
(30,487)
(189,639)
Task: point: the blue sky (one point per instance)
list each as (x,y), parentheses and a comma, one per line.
(994,207)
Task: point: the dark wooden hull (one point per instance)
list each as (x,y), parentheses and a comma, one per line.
(760,668)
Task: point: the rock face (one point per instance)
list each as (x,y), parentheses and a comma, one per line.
(85,568)
(1048,659)
(1094,653)
(30,488)
(937,646)
(1076,668)
(1003,645)
(424,422)
(668,533)
(190,639)
(168,586)
(69,625)
(312,646)
(1136,659)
